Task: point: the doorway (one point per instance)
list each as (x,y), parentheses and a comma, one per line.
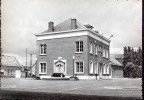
(60,66)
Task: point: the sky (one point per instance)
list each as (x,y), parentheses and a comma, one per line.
(21,19)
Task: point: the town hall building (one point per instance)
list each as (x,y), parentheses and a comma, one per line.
(72,49)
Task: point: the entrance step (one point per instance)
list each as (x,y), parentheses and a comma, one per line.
(106,78)
(56,78)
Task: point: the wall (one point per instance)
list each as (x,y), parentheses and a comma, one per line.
(10,67)
(117,71)
(99,57)
(65,48)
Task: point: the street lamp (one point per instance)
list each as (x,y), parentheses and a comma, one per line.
(109,56)
(73,65)
(110,36)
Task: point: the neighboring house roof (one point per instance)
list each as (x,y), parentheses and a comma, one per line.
(117,55)
(115,62)
(65,26)
(10,61)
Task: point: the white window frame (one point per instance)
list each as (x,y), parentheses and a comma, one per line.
(107,69)
(40,68)
(107,53)
(43,49)
(76,67)
(91,47)
(80,50)
(100,48)
(104,68)
(91,68)
(96,68)
(103,52)
(96,49)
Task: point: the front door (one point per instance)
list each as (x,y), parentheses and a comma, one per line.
(60,66)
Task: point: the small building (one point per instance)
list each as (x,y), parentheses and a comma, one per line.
(117,65)
(10,67)
(72,49)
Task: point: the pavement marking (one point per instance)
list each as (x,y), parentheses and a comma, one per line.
(85,86)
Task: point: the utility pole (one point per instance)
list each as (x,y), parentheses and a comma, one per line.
(73,65)
(26,57)
(26,65)
(31,65)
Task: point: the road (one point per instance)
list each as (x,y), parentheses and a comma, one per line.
(112,87)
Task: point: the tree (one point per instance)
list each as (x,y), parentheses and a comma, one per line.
(132,58)
(128,69)
(125,56)
(139,56)
(131,55)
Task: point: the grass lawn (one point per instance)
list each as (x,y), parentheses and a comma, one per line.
(65,89)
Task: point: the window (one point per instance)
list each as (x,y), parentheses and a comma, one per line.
(107,69)
(104,52)
(79,46)
(96,49)
(96,68)
(91,48)
(104,69)
(43,49)
(79,67)
(43,68)
(99,48)
(107,53)
(91,67)
(10,71)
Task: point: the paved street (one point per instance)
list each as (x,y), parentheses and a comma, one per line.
(111,87)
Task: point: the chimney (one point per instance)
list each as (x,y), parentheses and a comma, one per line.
(51,26)
(73,24)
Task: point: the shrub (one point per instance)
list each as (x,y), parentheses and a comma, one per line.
(58,75)
(75,78)
(132,70)
(37,78)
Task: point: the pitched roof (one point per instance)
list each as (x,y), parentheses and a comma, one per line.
(10,61)
(117,55)
(115,62)
(65,26)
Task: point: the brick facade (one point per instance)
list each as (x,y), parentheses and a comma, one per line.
(65,48)
(61,46)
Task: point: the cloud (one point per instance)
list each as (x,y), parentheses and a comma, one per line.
(21,19)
